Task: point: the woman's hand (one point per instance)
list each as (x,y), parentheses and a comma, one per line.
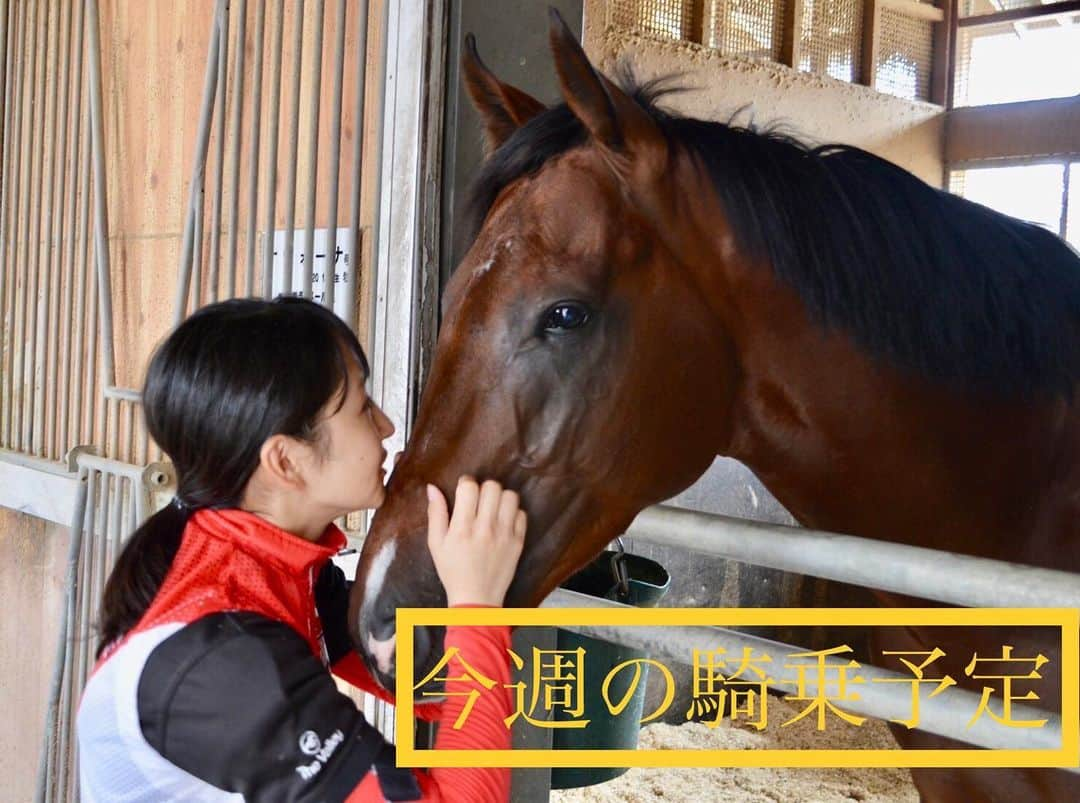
(477,550)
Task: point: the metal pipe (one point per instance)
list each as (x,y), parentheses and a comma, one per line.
(80,431)
(202,142)
(335,153)
(52,444)
(5,162)
(319,18)
(93,374)
(358,164)
(87,572)
(101,211)
(62,663)
(944,714)
(234,149)
(200,244)
(13,204)
(44,245)
(110,466)
(8,215)
(31,240)
(256,126)
(294,135)
(123,394)
(901,569)
(219,161)
(71,243)
(272,155)
(129,425)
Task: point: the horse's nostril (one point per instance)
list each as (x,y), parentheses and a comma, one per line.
(383,626)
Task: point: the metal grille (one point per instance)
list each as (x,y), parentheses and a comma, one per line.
(749,28)
(670,19)
(113,499)
(54,307)
(905,55)
(831,38)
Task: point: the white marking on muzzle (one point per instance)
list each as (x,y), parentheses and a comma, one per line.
(383,652)
(377,574)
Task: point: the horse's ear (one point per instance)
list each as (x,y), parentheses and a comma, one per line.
(612,117)
(503,108)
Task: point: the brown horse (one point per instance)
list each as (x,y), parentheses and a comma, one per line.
(645,292)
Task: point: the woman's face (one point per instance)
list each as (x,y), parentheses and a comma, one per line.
(348,473)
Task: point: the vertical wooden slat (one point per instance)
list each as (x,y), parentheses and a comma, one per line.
(792,33)
(871,42)
(941,68)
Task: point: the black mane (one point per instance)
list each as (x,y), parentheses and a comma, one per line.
(936,284)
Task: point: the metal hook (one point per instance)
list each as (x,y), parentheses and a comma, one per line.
(618,568)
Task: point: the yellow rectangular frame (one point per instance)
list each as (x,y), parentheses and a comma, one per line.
(1068,619)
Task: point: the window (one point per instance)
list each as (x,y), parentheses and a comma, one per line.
(1040,193)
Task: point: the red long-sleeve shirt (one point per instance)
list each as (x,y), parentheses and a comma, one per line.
(222,691)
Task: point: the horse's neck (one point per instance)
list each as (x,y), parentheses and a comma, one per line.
(850,444)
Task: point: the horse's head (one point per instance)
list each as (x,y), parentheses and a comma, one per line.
(570,365)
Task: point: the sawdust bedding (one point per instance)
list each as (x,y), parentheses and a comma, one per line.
(756,785)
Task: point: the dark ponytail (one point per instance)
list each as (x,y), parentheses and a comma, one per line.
(225,380)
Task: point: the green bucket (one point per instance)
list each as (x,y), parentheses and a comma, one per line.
(647,583)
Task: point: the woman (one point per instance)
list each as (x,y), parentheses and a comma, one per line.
(224,612)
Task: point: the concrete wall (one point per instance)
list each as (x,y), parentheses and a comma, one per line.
(33,553)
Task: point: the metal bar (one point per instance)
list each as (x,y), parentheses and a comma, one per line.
(234,149)
(945,714)
(9,217)
(45,246)
(33,238)
(272,155)
(352,276)
(87,572)
(109,466)
(1063,224)
(129,424)
(101,211)
(83,290)
(294,135)
(897,568)
(16,260)
(93,373)
(5,137)
(219,160)
(61,287)
(319,18)
(256,131)
(71,242)
(202,142)
(62,664)
(335,151)
(199,242)
(316,86)
(1021,14)
(123,394)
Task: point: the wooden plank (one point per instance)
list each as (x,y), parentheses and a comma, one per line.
(941,69)
(1013,131)
(792,33)
(871,42)
(915,10)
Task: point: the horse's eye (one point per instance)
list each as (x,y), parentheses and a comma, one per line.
(566,315)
